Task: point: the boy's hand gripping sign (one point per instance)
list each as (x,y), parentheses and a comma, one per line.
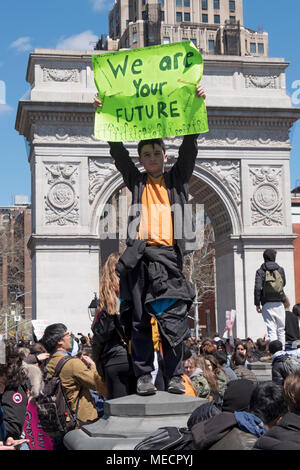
(148,93)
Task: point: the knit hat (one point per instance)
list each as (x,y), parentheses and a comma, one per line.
(237,395)
(269,254)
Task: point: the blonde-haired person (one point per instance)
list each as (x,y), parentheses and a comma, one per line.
(110,346)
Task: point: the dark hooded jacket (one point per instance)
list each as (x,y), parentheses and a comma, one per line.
(285,435)
(228,431)
(279,373)
(259,282)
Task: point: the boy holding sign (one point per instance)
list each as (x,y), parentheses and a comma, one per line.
(150,269)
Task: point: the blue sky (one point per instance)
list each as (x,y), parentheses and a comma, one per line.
(75,24)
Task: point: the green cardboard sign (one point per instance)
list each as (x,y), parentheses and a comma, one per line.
(149,93)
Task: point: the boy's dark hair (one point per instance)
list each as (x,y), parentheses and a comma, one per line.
(52,334)
(267,401)
(275,346)
(221,357)
(152,142)
(296,310)
(269,255)
(238,359)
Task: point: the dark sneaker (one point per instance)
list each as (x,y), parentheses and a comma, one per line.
(176,385)
(145,386)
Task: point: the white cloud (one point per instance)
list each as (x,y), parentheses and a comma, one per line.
(100,5)
(22,44)
(79,42)
(5,108)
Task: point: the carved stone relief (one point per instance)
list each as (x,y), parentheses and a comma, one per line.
(61,74)
(266,201)
(261,81)
(61,200)
(99,173)
(228,172)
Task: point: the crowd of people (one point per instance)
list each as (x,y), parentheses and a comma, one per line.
(240,412)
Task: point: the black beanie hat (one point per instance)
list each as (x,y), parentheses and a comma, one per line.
(269,254)
(237,395)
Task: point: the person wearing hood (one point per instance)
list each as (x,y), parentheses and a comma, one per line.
(248,412)
(269,296)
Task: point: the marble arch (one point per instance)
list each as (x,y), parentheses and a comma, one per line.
(241,174)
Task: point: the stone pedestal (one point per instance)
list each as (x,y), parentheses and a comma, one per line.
(129,419)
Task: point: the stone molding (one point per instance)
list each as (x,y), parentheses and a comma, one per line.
(257,134)
(62,200)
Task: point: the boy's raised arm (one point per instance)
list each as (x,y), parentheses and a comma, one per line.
(188,150)
(120,155)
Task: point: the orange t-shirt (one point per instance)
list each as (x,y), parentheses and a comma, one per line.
(156,225)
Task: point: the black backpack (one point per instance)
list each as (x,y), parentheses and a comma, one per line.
(168,438)
(54,413)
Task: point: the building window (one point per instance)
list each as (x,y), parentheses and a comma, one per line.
(162,16)
(232,19)
(204,4)
(179,3)
(217,4)
(187,17)
(217,19)
(187,3)
(178,16)
(211,45)
(232,6)
(144,15)
(253,47)
(143,2)
(166,40)
(261,48)
(194,41)
(134,37)
(204,18)
(161,2)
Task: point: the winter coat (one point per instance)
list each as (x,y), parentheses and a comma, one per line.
(259,283)
(160,279)
(176,180)
(285,435)
(200,384)
(243,372)
(14,402)
(292,332)
(228,431)
(223,380)
(77,379)
(278,372)
(229,372)
(109,343)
